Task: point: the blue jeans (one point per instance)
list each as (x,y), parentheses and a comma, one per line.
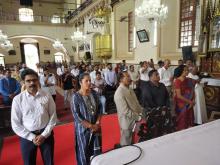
(102,99)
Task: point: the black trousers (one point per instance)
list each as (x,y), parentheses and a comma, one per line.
(29,151)
(54,98)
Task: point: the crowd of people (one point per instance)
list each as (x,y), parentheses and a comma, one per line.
(135,89)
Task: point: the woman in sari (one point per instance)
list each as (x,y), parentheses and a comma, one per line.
(87,114)
(184,98)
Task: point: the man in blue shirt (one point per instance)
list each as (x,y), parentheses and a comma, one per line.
(9,88)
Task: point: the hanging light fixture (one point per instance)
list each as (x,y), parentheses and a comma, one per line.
(152,10)
(58,45)
(3,37)
(7,45)
(78,36)
(103,11)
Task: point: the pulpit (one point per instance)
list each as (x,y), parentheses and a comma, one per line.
(211,65)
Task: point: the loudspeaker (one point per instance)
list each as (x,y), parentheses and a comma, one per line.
(187,53)
(88,55)
(26,2)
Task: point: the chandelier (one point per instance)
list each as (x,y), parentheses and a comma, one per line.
(58,45)
(78,36)
(3,37)
(103,11)
(4,42)
(152,10)
(7,45)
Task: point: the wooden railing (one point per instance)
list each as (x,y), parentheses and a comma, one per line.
(6,17)
(79,9)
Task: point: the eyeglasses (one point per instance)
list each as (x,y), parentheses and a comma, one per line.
(31,80)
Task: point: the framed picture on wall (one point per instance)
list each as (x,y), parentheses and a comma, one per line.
(47,52)
(143,35)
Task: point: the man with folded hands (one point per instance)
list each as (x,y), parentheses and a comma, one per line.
(33,118)
(128,108)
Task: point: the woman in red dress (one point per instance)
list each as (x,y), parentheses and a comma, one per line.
(184,98)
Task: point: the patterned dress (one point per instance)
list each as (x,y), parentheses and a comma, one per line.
(185,117)
(87,144)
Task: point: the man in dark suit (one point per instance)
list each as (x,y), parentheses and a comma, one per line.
(9,88)
(155,93)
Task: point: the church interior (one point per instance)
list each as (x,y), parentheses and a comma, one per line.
(149,41)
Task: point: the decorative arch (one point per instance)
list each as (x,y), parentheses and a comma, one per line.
(32,38)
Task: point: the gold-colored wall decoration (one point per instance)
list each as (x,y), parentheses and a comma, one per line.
(104,46)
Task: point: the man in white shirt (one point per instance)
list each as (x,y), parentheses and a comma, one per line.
(144,70)
(160,66)
(166,75)
(48,82)
(60,71)
(110,78)
(75,71)
(33,117)
(134,77)
(93,73)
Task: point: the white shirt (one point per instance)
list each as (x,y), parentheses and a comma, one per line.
(31,113)
(165,76)
(159,70)
(51,80)
(40,71)
(93,76)
(75,72)
(144,76)
(59,71)
(194,77)
(134,77)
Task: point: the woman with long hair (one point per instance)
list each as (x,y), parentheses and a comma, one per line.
(184,98)
(86,111)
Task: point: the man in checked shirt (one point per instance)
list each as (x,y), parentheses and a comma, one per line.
(33,117)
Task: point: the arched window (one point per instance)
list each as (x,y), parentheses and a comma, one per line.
(26,15)
(189,22)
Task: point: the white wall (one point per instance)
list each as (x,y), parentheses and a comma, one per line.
(119,32)
(145,50)
(167,35)
(169,38)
